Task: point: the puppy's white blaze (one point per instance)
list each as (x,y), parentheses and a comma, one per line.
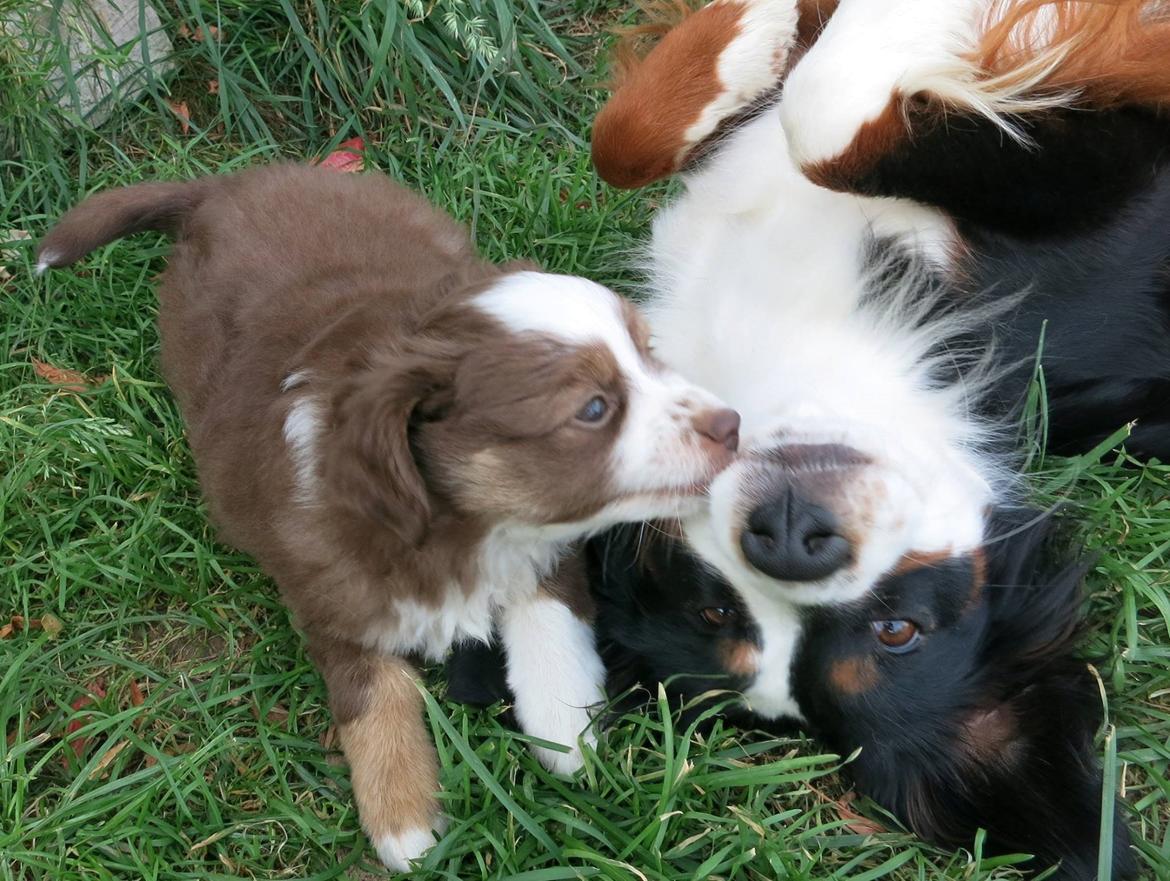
(301,428)
(397,851)
(556,675)
(752,63)
(567,307)
(658,445)
(901,45)
(46,262)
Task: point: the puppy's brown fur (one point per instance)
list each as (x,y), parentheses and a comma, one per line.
(366,427)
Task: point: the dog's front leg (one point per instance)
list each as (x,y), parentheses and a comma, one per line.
(844,104)
(379,715)
(553,668)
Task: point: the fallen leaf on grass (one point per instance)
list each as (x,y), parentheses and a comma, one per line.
(107,757)
(50,624)
(97,690)
(181,110)
(197,34)
(854,821)
(69,380)
(347,158)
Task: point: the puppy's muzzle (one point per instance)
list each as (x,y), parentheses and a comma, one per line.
(719,427)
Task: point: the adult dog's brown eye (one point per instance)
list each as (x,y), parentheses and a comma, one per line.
(595,409)
(897,636)
(717,616)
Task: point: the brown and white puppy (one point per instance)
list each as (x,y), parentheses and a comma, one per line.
(408,439)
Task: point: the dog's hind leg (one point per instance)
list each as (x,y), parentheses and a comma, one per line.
(379,715)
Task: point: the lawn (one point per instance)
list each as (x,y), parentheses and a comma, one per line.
(158,716)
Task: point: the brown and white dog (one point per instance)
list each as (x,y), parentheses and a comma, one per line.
(408,439)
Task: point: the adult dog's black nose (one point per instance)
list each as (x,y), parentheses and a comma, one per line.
(791,539)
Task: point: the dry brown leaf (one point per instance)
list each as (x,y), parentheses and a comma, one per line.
(854,821)
(96,689)
(107,758)
(69,380)
(181,110)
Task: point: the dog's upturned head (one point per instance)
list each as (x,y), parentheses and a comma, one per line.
(533,400)
(956,678)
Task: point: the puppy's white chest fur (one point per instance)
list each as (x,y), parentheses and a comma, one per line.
(511,562)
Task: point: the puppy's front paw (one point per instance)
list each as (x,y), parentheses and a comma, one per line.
(398,850)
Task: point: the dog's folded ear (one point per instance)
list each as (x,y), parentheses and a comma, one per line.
(1022,762)
(368,460)
(1025,769)
(709,68)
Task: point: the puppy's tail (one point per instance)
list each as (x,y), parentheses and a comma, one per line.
(116,213)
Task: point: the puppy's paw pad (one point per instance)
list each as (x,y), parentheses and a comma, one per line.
(397,851)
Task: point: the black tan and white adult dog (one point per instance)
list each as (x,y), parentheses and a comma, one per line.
(890,207)
(408,439)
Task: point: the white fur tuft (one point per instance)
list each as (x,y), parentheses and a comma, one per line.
(904,47)
(398,851)
(301,427)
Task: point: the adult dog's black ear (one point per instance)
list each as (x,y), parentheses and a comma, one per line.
(1022,761)
(369,461)
(1024,768)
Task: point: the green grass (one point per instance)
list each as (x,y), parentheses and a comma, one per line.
(225,768)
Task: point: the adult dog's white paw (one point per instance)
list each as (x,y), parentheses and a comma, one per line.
(870,55)
(556,676)
(564,764)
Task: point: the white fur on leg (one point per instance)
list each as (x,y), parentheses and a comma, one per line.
(397,851)
(870,50)
(555,674)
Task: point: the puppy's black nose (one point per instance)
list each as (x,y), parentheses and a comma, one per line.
(791,539)
(721,426)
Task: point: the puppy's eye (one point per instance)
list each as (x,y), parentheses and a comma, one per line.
(717,616)
(897,637)
(595,410)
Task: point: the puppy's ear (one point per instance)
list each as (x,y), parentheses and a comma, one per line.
(369,461)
